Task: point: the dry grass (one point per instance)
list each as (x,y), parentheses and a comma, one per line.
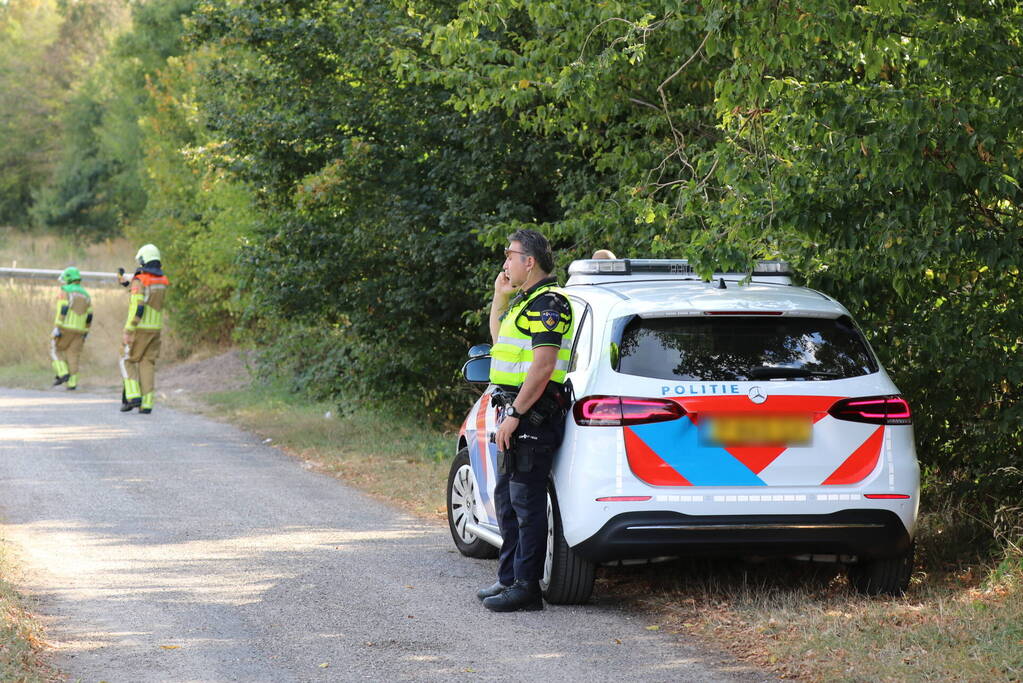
(27,311)
(21,645)
(21,250)
(26,321)
(803,622)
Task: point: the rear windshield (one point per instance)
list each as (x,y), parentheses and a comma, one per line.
(743,348)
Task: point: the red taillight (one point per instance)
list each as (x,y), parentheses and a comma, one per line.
(615,411)
(879,410)
(885,496)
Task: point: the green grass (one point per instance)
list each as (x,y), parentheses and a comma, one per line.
(25,375)
(21,646)
(388,455)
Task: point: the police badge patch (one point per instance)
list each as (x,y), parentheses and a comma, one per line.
(549,319)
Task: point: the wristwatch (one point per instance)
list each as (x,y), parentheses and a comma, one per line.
(511,412)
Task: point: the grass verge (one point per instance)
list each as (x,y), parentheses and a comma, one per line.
(799,621)
(389,456)
(21,645)
(803,622)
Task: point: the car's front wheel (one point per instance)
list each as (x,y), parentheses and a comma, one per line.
(462,500)
(882,576)
(567,577)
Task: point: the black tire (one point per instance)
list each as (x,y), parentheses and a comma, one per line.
(883,576)
(461,501)
(568,578)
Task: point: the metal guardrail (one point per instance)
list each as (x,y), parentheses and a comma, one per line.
(94,277)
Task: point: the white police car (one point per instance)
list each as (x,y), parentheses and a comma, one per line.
(742,416)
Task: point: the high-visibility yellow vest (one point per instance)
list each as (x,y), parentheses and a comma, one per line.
(73,313)
(512,354)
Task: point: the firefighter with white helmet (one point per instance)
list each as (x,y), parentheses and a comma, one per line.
(147,293)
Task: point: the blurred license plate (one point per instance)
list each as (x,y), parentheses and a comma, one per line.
(762,430)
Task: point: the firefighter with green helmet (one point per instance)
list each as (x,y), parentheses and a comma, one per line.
(147,293)
(70,327)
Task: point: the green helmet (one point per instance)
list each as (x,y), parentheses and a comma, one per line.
(70,274)
(146,254)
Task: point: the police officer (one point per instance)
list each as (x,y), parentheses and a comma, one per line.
(532,334)
(70,327)
(147,290)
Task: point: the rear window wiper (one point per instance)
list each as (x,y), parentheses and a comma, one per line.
(770,372)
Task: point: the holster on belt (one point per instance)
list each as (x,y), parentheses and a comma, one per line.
(552,406)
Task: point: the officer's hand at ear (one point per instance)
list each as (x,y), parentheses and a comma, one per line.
(503,286)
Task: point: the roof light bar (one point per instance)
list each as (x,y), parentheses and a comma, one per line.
(772,268)
(599,267)
(664,266)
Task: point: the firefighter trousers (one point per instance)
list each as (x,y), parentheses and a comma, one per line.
(138,366)
(66,350)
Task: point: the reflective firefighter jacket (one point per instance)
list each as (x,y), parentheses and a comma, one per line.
(74,313)
(145,303)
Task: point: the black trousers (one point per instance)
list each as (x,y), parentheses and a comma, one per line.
(520,498)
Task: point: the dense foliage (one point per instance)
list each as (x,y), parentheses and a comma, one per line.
(373,191)
(97,188)
(339,175)
(46,47)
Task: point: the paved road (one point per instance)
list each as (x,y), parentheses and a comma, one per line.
(173,548)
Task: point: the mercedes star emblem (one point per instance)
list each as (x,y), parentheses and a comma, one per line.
(757,395)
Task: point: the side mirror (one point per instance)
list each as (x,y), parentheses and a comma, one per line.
(477,370)
(479,351)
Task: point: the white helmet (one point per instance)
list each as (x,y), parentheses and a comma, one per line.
(147,253)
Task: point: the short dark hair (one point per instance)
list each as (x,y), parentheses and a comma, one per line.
(536,245)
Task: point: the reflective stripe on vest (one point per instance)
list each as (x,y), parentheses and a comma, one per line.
(512,354)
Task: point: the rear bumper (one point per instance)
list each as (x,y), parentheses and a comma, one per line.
(631,535)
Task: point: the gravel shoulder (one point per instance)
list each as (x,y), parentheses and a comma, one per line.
(174,548)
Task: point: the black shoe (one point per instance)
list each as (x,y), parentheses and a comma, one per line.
(71,388)
(145,411)
(491,591)
(58,380)
(521,595)
(126,406)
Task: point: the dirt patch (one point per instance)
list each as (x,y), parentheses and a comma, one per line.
(193,378)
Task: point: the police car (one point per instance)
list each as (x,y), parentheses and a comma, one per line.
(743,416)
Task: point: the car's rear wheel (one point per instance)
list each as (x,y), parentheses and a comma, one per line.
(462,500)
(567,577)
(882,576)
